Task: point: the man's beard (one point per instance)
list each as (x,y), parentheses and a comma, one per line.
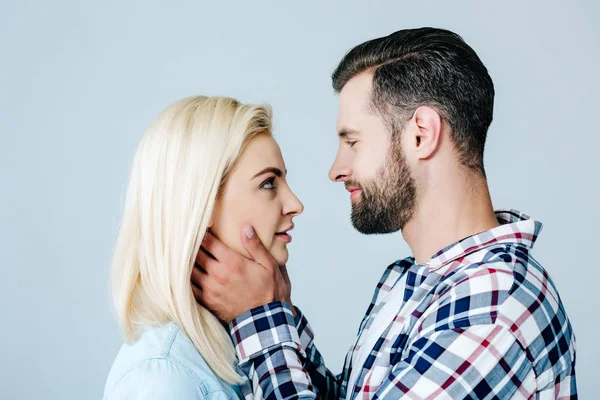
(388,201)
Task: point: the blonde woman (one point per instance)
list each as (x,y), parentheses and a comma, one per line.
(205,163)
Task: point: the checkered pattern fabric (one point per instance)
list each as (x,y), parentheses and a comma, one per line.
(481,320)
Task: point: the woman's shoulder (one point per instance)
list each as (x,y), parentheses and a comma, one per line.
(163,363)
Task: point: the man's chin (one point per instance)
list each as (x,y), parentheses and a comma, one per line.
(367,227)
(356,199)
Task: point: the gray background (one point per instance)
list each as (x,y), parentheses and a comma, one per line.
(80,81)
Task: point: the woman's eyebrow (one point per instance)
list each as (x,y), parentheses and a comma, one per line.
(267,170)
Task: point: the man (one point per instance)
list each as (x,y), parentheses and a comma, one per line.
(472,314)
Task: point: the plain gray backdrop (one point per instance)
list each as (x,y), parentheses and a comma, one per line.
(81,80)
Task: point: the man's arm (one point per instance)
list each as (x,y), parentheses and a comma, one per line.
(322,378)
(277,354)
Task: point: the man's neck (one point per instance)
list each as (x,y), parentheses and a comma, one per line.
(449,212)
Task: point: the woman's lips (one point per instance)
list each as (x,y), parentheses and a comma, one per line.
(286,237)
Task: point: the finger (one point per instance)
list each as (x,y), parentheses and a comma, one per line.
(200,297)
(208,263)
(196,265)
(204,287)
(198,275)
(255,248)
(214,246)
(197,294)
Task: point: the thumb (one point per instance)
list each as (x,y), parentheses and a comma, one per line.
(255,248)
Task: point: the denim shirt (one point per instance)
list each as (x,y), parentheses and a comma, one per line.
(164,364)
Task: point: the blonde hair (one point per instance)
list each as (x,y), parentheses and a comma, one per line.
(181,162)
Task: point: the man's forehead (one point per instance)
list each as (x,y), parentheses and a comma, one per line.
(354,100)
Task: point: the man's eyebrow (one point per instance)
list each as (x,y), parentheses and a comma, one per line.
(344,132)
(272,170)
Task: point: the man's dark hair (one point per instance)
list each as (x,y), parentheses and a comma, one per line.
(432,67)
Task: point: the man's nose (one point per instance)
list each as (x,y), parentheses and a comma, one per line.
(340,170)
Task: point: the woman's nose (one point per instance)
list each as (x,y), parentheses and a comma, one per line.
(293,205)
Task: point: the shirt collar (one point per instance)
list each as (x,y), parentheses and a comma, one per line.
(515,227)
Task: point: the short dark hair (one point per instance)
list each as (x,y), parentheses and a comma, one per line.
(427,66)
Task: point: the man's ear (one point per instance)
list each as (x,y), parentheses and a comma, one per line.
(429,130)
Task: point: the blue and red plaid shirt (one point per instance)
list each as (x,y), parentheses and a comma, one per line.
(481,320)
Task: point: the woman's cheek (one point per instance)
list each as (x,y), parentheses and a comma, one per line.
(229,224)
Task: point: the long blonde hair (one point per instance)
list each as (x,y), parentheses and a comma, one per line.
(180,164)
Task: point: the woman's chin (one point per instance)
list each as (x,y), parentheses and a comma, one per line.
(281,256)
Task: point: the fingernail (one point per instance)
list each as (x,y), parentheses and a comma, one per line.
(249,232)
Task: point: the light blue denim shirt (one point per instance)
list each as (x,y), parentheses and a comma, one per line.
(164,364)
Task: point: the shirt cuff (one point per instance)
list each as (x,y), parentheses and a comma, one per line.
(304,329)
(262,328)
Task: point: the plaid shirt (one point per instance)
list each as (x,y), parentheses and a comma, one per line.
(481,320)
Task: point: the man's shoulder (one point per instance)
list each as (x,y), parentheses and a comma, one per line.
(504,285)
(469,293)
(517,284)
(504,280)
(502,268)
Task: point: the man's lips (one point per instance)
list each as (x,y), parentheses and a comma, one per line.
(354,192)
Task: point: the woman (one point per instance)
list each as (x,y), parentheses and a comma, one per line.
(204,163)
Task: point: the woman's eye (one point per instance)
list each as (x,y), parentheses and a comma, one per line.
(269,184)
(350,143)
